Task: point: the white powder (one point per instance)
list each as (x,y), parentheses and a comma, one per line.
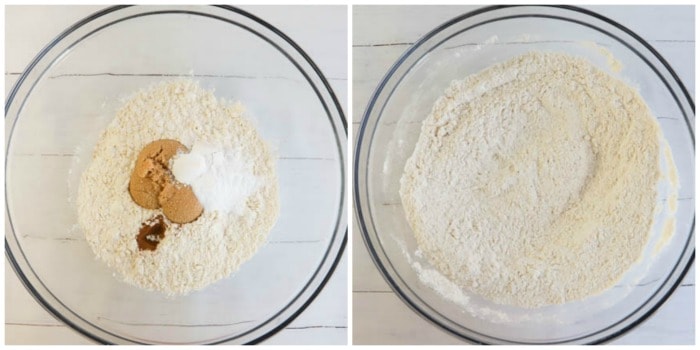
(533,182)
(222,179)
(190,256)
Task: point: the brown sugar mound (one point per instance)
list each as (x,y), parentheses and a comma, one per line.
(152,184)
(174,198)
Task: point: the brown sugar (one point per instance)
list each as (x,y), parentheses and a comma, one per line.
(151,172)
(174,198)
(152,184)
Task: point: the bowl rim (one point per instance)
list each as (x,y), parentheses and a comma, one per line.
(337,241)
(362,130)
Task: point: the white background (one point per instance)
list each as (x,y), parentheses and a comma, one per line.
(380,35)
(320,30)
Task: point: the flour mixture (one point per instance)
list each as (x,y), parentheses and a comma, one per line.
(534,182)
(150,204)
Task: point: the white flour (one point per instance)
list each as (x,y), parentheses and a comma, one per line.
(193,255)
(533,182)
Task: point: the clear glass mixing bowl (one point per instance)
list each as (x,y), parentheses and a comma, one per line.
(70,92)
(404,98)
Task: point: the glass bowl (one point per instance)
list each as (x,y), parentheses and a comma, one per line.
(70,92)
(392,123)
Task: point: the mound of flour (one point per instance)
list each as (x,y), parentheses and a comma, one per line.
(193,255)
(534,181)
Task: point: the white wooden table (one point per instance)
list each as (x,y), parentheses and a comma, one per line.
(322,34)
(380,35)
